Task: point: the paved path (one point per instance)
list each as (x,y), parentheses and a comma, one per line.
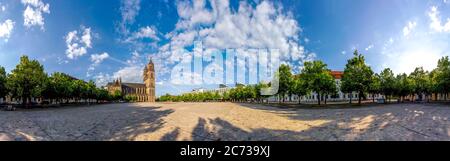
(226,121)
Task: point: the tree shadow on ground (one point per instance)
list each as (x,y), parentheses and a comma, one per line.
(218,129)
(140,121)
(171,135)
(102,122)
(390,122)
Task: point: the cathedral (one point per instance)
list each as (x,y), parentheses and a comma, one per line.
(144,92)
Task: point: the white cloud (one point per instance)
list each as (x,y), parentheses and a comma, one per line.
(33,12)
(132,74)
(420,50)
(86,38)
(369,47)
(436,23)
(146,32)
(98,58)
(144,36)
(193,13)
(306,40)
(264,26)
(343,52)
(102,79)
(408,28)
(129,74)
(78,42)
(391,40)
(6,29)
(129,10)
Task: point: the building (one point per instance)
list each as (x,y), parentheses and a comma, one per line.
(144,92)
(221,90)
(339,96)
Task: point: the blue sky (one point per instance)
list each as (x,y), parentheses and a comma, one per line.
(102,40)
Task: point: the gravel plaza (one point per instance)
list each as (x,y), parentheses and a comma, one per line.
(228,122)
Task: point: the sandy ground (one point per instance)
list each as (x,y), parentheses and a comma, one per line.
(226,121)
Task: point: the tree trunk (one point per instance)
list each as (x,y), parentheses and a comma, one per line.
(24,101)
(318,98)
(326,96)
(351,96)
(373,98)
(359,97)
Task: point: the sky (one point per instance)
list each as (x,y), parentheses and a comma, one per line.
(104,40)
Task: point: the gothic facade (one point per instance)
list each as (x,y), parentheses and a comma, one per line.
(144,92)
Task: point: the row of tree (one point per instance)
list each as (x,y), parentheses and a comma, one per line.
(29,80)
(358,77)
(240,93)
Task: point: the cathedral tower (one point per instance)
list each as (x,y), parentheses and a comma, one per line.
(149,81)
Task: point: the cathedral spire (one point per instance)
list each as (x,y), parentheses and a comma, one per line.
(151,60)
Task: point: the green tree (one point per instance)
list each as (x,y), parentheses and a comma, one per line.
(91,91)
(285,81)
(346,88)
(165,98)
(117,95)
(329,88)
(317,78)
(130,98)
(387,83)
(432,84)
(226,96)
(357,75)
(49,91)
(375,86)
(403,86)
(102,95)
(300,88)
(78,90)
(258,91)
(216,96)
(3,79)
(27,80)
(420,81)
(442,77)
(62,86)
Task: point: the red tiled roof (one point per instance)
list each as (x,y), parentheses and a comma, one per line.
(337,74)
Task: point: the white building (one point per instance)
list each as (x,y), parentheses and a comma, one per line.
(340,96)
(220,90)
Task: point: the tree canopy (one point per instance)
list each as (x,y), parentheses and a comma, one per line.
(318,78)
(3,90)
(357,75)
(27,79)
